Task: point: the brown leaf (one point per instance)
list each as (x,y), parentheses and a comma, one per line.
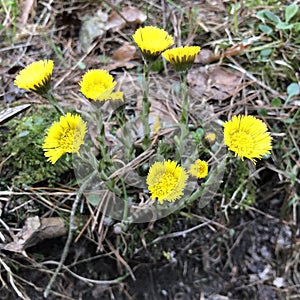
(131,15)
(214,83)
(34,231)
(123,58)
(124,53)
(206,56)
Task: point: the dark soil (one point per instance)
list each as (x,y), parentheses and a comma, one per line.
(237,260)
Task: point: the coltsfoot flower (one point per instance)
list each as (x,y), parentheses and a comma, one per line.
(247,137)
(181,58)
(210,137)
(199,169)
(152,41)
(65,136)
(98,85)
(36,77)
(166,181)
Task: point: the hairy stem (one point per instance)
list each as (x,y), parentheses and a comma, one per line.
(185,98)
(146,104)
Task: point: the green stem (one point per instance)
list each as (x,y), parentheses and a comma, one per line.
(180,141)
(146,104)
(102,144)
(185,98)
(183,125)
(105,157)
(49,96)
(125,211)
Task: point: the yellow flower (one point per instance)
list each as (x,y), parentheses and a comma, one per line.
(199,169)
(152,41)
(98,85)
(210,137)
(248,137)
(181,57)
(36,77)
(166,181)
(65,136)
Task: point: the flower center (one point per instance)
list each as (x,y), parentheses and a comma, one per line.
(67,140)
(241,143)
(166,184)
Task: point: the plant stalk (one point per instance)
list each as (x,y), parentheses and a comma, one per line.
(146,104)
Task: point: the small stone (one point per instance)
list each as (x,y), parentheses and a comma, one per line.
(278,282)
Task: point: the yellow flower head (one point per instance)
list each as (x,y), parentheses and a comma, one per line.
(199,169)
(181,57)
(210,137)
(98,85)
(65,136)
(248,137)
(152,41)
(36,77)
(166,181)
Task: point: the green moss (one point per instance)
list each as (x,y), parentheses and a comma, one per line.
(22,153)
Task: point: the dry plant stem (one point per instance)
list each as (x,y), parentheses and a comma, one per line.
(87,280)
(146,104)
(72,227)
(11,280)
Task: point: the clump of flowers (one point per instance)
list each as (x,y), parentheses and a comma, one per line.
(98,85)
(199,169)
(247,137)
(152,41)
(166,181)
(36,77)
(65,136)
(181,58)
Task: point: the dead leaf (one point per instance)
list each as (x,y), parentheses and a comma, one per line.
(34,231)
(214,82)
(131,15)
(206,56)
(122,64)
(124,53)
(122,58)
(10,112)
